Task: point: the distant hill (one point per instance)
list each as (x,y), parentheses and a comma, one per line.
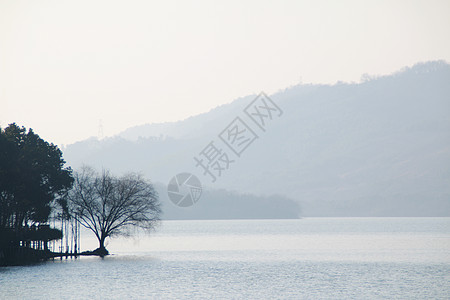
(376,148)
(222,204)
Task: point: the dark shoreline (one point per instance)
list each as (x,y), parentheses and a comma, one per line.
(26,256)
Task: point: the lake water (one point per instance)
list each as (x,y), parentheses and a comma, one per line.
(312,258)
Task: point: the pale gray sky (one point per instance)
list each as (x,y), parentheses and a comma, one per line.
(64,65)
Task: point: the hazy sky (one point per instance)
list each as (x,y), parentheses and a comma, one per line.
(65,65)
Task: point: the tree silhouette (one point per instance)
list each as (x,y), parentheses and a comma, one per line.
(109,205)
(32,176)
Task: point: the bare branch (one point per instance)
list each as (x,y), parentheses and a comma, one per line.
(107,205)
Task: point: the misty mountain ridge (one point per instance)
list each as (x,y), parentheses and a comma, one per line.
(376,148)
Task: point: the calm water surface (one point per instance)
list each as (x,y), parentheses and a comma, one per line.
(315,258)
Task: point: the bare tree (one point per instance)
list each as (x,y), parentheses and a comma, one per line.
(109,205)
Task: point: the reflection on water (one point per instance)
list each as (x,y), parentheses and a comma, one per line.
(308,258)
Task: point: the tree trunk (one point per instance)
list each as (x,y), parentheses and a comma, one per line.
(101,249)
